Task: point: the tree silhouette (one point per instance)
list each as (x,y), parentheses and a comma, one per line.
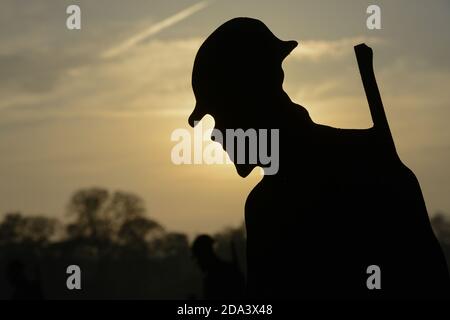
(119,217)
(17,228)
(90,219)
(136,232)
(129,220)
(123,253)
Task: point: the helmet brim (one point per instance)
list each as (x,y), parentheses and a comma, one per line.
(200,111)
(288,46)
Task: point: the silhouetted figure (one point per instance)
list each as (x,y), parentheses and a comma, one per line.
(341,200)
(222,280)
(24,288)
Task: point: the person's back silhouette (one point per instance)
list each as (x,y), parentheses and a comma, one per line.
(222,280)
(340,201)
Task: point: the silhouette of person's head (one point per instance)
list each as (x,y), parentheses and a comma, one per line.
(203,251)
(237,78)
(222,279)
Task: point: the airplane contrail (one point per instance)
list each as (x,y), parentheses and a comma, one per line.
(154,29)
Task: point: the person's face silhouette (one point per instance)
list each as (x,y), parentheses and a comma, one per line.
(226,122)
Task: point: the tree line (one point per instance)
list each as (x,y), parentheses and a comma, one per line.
(121,251)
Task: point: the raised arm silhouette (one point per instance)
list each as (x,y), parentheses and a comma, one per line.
(341,201)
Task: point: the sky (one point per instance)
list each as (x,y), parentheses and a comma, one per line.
(97,106)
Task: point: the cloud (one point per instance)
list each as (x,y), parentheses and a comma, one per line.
(154,29)
(35,71)
(319,49)
(153,81)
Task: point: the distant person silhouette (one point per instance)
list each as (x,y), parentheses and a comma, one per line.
(222,280)
(24,288)
(341,200)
